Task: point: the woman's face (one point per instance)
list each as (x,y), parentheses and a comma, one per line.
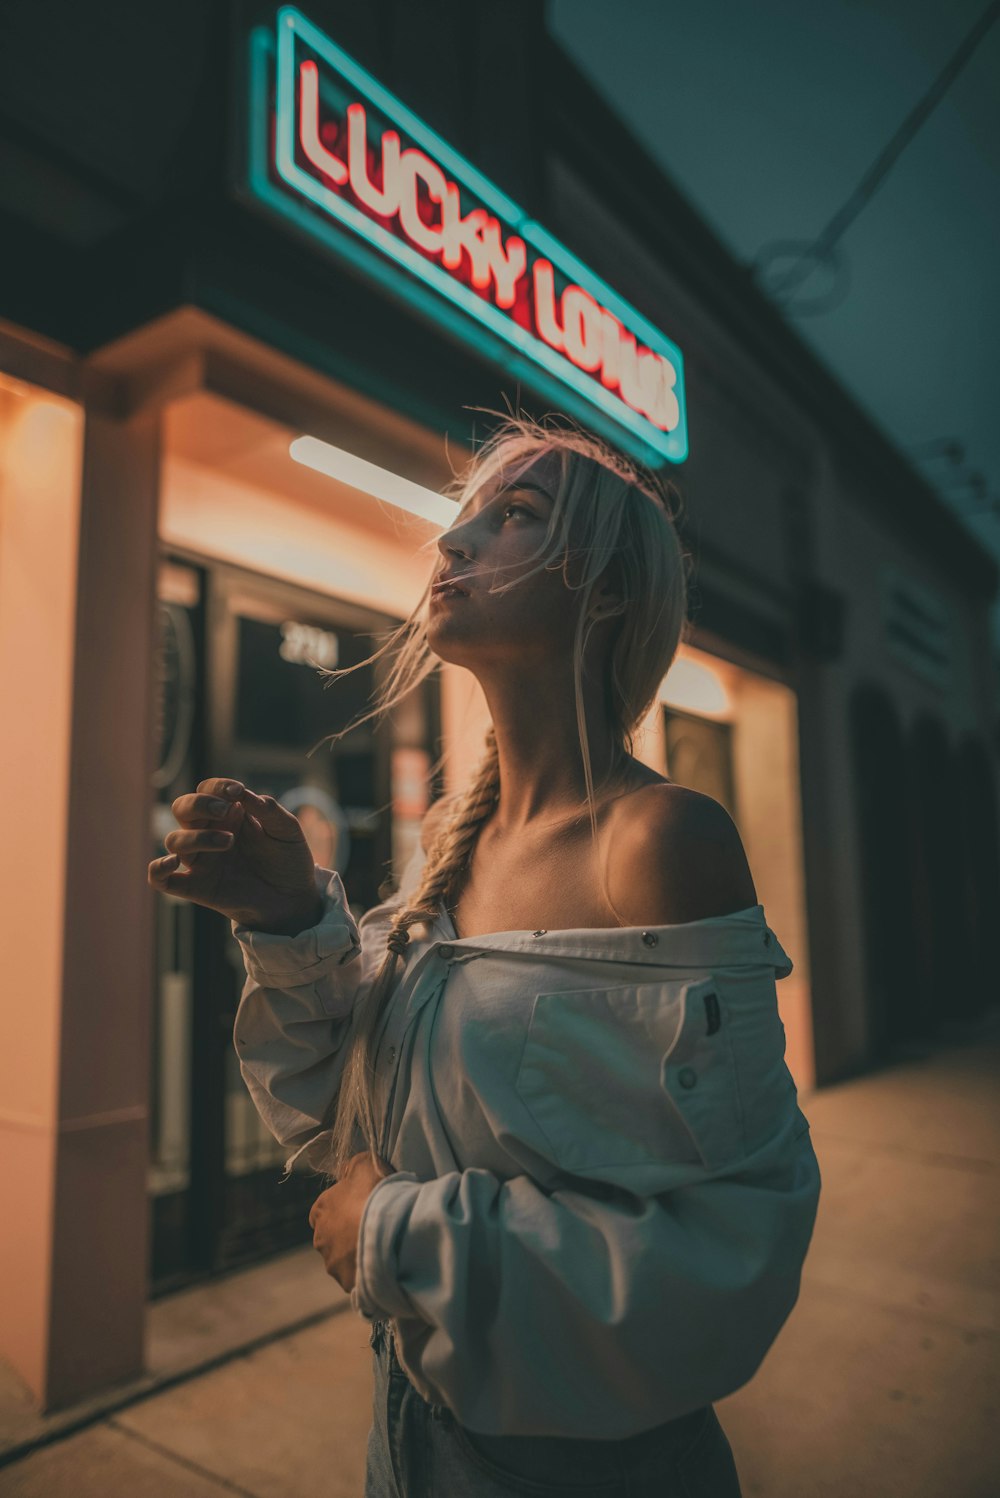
(493,540)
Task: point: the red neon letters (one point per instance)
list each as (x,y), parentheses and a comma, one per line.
(574,324)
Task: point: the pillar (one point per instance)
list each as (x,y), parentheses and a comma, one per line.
(78,558)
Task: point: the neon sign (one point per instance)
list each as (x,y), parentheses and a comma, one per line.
(346,162)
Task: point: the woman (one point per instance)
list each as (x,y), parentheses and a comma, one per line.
(573,1188)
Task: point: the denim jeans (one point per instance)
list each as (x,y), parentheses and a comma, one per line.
(419,1450)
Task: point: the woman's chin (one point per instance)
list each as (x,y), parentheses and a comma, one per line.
(455,652)
(443,638)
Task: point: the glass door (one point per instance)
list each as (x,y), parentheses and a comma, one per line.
(261,707)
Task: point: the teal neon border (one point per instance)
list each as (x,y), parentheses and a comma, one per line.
(383,255)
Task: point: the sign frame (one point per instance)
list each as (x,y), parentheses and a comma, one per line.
(373,251)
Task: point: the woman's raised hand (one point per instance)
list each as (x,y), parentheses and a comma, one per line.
(240,854)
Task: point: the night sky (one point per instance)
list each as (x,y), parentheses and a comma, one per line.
(768,115)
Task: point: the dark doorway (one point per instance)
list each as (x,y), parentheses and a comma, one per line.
(976,805)
(240,695)
(884,841)
(940,874)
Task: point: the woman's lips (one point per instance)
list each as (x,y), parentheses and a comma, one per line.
(443,594)
(448,585)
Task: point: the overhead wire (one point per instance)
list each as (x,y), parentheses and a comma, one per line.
(821,248)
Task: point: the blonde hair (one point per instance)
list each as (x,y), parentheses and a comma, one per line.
(618,514)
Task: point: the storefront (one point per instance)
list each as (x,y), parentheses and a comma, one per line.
(363,238)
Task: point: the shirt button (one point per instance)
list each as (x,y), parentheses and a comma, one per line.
(540,933)
(392,1053)
(650,938)
(767,938)
(445,951)
(687,1076)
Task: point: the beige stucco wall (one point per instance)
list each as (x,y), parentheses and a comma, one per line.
(41,439)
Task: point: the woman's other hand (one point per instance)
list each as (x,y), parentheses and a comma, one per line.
(335,1217)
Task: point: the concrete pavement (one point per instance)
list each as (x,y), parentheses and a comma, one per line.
(883,1382)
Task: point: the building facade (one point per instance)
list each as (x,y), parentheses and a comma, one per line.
(185,298)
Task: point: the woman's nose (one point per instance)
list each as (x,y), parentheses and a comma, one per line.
(450,547)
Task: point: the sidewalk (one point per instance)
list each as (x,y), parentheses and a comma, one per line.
(883,1382)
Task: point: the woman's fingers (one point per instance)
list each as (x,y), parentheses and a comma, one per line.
(228,802)
(221,785)
(271,817)
(269,866)
(163,875)
(174,875)
(201,840)
(196,808)
(210,806)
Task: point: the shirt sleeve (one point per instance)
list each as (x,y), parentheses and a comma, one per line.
(293,1019)
(537,1311)
(294,1015)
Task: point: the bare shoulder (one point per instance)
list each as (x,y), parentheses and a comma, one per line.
(678,856)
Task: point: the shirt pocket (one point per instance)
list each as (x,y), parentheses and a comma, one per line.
(633,1075)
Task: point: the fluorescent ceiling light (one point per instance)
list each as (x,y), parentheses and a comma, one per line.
(371,479)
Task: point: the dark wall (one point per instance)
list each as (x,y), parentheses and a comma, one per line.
(115,205)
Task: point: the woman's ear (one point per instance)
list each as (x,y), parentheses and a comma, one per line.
(606,596)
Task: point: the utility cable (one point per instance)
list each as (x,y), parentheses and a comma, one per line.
(823,246)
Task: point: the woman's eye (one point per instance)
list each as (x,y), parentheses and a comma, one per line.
(523,508)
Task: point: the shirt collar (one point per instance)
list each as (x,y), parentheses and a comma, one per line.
(741,938)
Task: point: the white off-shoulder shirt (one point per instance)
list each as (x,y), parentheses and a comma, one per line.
(604,1188)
